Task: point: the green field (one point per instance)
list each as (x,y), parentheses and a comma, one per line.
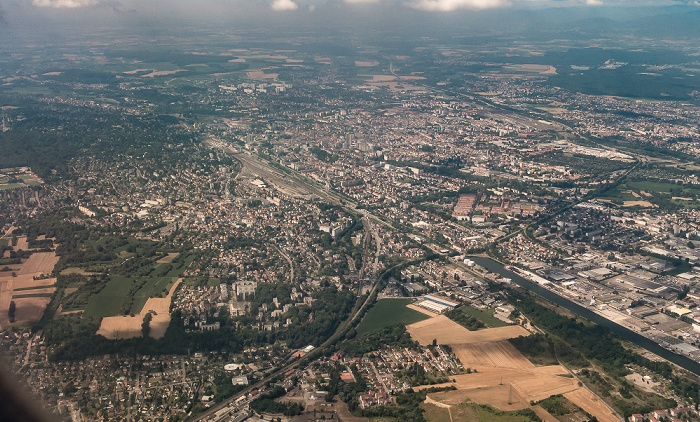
(660,193)
(109,300)
(388,312)
(22,289)
(154,287)
(11,186)
(31,295)
(475,412)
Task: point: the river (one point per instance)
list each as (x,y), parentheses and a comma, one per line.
(625,333)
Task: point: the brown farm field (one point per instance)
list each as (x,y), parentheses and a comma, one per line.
(500,354)
(168,259)
(28,309)
(5,298)
(125,327)
(22,243)
(503,377)
(39,262)
(499,386)
(446,331)
(27,280)
(591,404)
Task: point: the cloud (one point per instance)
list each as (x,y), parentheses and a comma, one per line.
(67,4)
(361,1)
(284,5)
(594,2)
(451,5)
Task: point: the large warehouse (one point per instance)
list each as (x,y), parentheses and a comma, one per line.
(437,304)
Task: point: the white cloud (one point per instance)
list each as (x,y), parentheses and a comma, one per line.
(64,3)
(450,5)
(594,2)
(284,5)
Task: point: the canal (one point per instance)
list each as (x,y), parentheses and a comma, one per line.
(623,332)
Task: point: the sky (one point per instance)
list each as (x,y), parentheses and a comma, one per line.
(499,14)
(309,6)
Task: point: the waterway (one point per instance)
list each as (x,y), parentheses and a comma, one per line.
(623,332)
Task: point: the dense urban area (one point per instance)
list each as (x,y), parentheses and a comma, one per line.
(223,225)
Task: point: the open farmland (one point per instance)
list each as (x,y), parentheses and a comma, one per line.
(5,298)
(168,258)
(503,377)
(496,353)
(30,309)
(591,404)
(522,386)
(446,331)
(109,300)
(39,262)
(124,327)
(29,294)
(437,412)
(22,243)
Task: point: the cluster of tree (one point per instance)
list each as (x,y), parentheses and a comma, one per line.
(36,142)
(348,392)
(146,324)
(330,308)
(538,348)
(69,338)
(266,404)
(467,321)
(408,406)
(223,387)
(87,287)
(323,155)
(558,405)
(415,375)
(11,311)
(598,344)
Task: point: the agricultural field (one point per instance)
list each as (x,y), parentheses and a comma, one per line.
(494,353)
(472,412)
(118,275)
(654,194)
(28,286)
(446,331)
(39,263)
(388,312)
(501,376)
(109,300)
(593,405)
(124,327)
(126,295)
